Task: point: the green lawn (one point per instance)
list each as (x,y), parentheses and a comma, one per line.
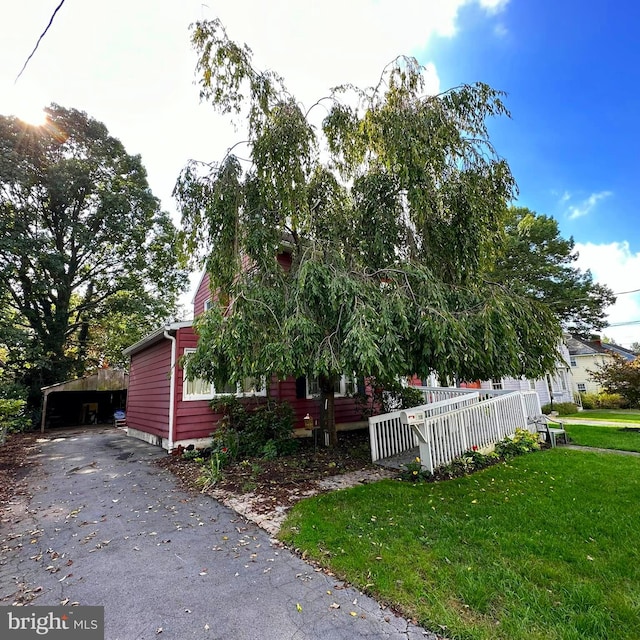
(618,415)
(625,438)
(545,547)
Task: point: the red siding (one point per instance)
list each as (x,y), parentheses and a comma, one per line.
(202,295)
(346,409)
(284,260)
(148,394)
(149,388)
(193,418)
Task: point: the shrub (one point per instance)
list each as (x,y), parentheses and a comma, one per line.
(521,442)
(470,461)
(603,400)
(589,400)
(264,430)
(414,472)
(563,408)
(611,401)
(13,417)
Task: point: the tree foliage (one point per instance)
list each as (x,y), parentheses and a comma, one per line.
(536,261)
(390,211)
(82,238)
(622,377)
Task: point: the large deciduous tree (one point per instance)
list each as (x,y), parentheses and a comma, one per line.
(81,237)
(536,261)
(391,210)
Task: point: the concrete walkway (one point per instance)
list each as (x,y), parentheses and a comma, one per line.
(603,423)
(618,452)
(108,527)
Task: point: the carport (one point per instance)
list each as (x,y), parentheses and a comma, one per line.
(89,400)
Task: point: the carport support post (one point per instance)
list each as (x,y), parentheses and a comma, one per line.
(44,412)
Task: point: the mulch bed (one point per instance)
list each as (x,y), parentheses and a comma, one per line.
(280,482)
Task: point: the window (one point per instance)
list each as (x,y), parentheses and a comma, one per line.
(208,303)
(573,362)
(532,385)
(582,387)
(198,389)
(345,386)
(496,384)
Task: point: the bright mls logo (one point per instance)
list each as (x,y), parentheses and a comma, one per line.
(53,623)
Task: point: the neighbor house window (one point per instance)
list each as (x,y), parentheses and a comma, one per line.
(532,385)
(344,386)
(208,303)
(573,362)
(496,384)
(582,387)
(198,389)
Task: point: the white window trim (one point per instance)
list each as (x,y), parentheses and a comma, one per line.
(208,303)
(211,394)
(343,392)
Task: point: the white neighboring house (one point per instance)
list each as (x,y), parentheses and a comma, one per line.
(557,387)
(588,355)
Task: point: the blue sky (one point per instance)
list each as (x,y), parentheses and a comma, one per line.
(570,69)
(570,72)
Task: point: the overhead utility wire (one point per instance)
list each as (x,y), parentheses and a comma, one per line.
(24,66)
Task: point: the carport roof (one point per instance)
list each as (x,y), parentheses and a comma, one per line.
(103,380)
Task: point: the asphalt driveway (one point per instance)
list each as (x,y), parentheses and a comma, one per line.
(108,527)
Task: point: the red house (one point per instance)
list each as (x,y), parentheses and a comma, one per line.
(164,408)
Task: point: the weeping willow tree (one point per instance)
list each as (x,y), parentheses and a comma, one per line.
(391,211)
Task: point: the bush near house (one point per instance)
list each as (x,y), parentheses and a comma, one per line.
(265,430)
(603,400)
(521,442)
(563,408)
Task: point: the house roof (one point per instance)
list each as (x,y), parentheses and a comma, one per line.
(627,354)
(580,347)
(155,336)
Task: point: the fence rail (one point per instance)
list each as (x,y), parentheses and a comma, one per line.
(389,437)
(458,421)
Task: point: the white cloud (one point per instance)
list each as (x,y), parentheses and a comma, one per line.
(586,206)
(616,266)
(494,6)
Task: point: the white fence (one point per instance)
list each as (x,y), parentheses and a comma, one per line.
(467,419)
(389,437)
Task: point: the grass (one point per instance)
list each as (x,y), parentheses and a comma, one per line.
(625,439)
(618,415)
(542,547)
